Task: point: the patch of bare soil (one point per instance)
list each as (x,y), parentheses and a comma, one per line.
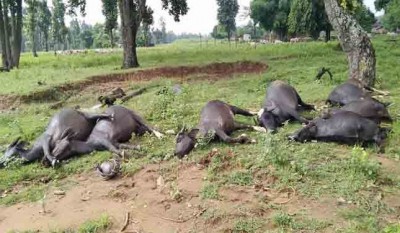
(212,71)
(166,198)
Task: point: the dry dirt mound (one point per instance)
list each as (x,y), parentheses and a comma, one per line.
(211,71)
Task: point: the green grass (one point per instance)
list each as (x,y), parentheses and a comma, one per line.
(99,225)
(314,170)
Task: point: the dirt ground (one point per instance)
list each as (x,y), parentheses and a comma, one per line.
(211,71)
(159,198)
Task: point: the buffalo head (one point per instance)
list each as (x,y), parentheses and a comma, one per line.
(185,142)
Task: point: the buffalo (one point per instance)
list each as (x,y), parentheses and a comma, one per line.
(68,123)
(217,119)
(108,135)
(342,127)
(282,103)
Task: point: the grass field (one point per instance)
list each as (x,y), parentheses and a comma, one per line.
(359,187)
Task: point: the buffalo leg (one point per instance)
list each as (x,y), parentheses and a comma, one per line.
(240,111)
(122,146)
(46,150)
(303,105)
(146,128)
(93,116)
(241,139)
(74,148)
(293,113)
(239,126)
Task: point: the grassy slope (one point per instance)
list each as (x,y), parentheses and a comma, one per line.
(315,170)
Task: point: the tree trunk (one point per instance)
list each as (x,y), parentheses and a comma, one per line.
(355,42)
(3,39)
(327,34)
(46,41)
(112,38)
(16,25)
(129,25)
(7,47)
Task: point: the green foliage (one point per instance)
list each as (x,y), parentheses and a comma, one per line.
(282,220)
(242,178)
(227,11)
(247,225)
(392,229)
(32,9)
(272,15)
(96,226)
(391,19)
(44,22)
(365,17)
(59,30)
(308,17)
(360,162)
(209,191)
(110,11)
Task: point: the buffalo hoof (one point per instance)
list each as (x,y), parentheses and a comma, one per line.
(259,129)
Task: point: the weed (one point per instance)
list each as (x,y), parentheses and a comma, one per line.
(392,229)
(360,162)
(96,226)
(242,178)
(247,225)
(210,191)
(282,220)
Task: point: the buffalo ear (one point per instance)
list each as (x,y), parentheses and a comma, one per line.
(313,129)
(15,142)
(193,133)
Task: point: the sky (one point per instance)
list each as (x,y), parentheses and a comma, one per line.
(201,18)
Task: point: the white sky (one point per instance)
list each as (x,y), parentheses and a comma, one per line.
(201,18)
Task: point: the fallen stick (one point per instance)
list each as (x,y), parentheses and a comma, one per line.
(184,220)
(126,222)
(133,94)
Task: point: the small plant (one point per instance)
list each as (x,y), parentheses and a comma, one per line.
(361,163)
(392,229)
(247,225)
(210,191)
(276,155)
(283,220)
(96,226)
(242,178)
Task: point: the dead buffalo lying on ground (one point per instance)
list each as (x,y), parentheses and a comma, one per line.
(366,108)
(68,123)
(108,135)
(282,103)
(351,91)
(217,119)
(343,127)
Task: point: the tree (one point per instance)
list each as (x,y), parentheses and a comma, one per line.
(75,34)
(354,41)
(391,19)
(219,32)
(365,17)
(163,26)
(110,11)
(3,38)
(131,13)
(32,10)
(86,35)
(16,30)
(59,29)
(227,11)
(44,22)
(272,15)
(148,20)
(11,32)
(308,17)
